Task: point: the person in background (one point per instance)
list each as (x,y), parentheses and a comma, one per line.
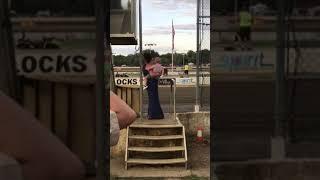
(245,22)
(186,69)
(165,71)
(121,116)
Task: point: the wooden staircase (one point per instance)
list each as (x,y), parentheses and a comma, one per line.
(156,142)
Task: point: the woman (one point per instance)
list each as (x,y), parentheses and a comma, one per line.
(154,108)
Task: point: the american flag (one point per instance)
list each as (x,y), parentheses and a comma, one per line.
(173,33)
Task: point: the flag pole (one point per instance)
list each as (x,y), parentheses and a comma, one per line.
(172,60)
(172,47)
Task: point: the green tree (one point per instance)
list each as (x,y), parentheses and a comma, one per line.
(153,52)
(190,57)
(205,56)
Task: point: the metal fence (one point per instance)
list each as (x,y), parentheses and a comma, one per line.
(303,56)
(204,47)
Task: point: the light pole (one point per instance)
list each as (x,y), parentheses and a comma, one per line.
(197,106)
(183,54)
(183,59)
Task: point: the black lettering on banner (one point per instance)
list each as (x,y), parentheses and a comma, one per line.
(80,66)
(42,64)
(166,82)
(29,64)
(135,81)
(127,81)
(63,63)
(130,81)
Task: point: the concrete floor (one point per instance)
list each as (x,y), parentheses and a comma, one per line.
(198,166)
(117,170)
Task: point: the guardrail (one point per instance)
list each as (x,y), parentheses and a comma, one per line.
(137,69)
(173,84)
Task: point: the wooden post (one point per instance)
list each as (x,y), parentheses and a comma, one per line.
(8,78)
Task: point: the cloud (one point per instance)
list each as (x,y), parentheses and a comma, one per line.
(166,30)
(173,4)
(185,27)
(152,32)
(188,13)
(176,27)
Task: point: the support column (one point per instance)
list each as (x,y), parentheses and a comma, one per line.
(278,140)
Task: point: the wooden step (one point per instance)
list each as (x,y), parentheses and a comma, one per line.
(156,149)
(155,126)
(156,137)
(156,161)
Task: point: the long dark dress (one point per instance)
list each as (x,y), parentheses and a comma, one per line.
(154,108)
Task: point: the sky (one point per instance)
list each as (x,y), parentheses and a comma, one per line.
(157,16)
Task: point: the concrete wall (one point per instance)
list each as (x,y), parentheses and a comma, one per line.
(192,121)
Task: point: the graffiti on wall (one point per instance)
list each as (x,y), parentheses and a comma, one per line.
(242,61)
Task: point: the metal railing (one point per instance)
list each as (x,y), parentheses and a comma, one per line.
(173,85)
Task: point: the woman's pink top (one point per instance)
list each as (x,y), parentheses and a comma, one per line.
(155,70)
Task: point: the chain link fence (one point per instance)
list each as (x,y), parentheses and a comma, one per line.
(204,46)
(303,56)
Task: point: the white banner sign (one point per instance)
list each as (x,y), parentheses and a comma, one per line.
(243,61)
(179,81)
(264,61)
(55,62)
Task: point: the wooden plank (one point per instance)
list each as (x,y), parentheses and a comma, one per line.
(156,137)
(157,149)
(45,104)
(124,94)
(156,161)
(129,97)
(61,120)
(136,100)
(119,90)
(127,152)
(155,126)
(82,122)
(29,98)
